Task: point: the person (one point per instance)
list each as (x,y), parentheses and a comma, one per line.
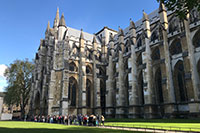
(51,119)
(94,120)
(97,120)
(102,120)
(84,120)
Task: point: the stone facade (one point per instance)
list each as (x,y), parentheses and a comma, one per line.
(150,69)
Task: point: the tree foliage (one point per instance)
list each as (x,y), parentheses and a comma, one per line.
(181,7)
(18,76)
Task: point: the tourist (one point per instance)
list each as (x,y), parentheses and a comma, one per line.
(102,119)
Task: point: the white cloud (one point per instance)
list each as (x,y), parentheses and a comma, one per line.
(2,78)
(2,69)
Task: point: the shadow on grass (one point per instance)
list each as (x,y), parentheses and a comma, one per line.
(155,120)
(67,130)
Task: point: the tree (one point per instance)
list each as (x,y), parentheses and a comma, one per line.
(181,7)
(18,77)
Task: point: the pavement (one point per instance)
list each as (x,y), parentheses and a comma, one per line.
(144,130)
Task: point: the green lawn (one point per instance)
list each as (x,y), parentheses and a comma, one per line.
(34,127)
(168,124)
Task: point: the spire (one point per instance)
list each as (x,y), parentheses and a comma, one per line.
(57,14)
(145,16)
(94,39)
(132,25)
(62,21)
(48,27)
(120,32)
(81,35)
(161,7)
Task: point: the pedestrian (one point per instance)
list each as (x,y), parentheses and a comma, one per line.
(102,119)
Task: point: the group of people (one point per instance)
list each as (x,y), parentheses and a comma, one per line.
(86,120)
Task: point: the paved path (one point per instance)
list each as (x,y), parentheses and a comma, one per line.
(142,130)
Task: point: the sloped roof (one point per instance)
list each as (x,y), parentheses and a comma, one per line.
(76,34)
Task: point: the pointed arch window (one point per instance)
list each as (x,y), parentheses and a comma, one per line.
(196,39)
(72,67)
(156,54)
(72,91)
(88,69)
(88,93)
(175,47)
(154,36)
(179,82)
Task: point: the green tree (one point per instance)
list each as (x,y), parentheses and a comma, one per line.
(18,76)
(181,7)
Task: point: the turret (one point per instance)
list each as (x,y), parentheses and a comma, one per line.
(48,28)
(81,42)
(132,30)
(61,28)
(56,20)
(111,41)
(146,25)
(163,16)
(94,43)
(121,38)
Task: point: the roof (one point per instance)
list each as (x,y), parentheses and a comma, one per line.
(71,32)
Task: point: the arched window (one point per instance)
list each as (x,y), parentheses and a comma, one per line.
(88,69)
(196,39)
(141,88)
(154,35)
(139,59)
(139,42)
(175,47)
(72,67)
(173,24)
(88,93)
(102,94)
(158,84)
(179,82)
(156,54)
(37,103)
(198,68)
(72,91)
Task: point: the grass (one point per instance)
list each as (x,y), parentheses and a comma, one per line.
(34,127)
(168,124)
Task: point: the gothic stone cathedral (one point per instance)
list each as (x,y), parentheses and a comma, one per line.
(151,69)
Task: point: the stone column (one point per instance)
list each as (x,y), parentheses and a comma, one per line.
(51,91)
(96,81)
(149,97)
(194,106)
(110,111)
(133,100)
(82,76)
(65,81)
(169,108)
(121,110)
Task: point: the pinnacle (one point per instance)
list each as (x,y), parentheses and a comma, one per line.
(48,27)
(81,35)
(161,7)
(132,24)
(145,16)
(62,21)
(120,32)
(57,13)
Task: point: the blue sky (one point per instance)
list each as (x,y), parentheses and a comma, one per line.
(23,22)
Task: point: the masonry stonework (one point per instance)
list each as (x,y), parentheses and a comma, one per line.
(150,69)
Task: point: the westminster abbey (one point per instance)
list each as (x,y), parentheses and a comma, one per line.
(151,69)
